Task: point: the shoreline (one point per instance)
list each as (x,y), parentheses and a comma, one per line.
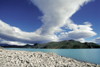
(16,58)
(93,55)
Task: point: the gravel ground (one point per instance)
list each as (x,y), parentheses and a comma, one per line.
(12,58)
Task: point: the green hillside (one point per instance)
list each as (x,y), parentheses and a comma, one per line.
(66,45)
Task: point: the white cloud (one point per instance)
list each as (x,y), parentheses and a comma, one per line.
(13,34)
(97,40)
(12,42)
(82,40)
(57,14)
(79,32)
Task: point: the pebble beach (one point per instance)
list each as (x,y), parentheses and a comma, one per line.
(14,58)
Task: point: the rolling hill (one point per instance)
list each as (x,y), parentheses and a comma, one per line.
(67,44)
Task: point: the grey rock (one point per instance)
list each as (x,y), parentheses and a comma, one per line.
(12,58)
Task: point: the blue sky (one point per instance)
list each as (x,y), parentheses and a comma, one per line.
(31,21)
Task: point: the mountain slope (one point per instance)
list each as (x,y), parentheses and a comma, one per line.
(67,45)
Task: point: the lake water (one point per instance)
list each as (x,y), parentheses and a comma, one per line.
(88,55)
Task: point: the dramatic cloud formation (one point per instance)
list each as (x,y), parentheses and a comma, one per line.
(57,14)
(11,33)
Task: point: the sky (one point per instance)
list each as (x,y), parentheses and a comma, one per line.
(41,21)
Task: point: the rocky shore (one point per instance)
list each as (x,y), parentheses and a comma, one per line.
(1,47)
(12,58)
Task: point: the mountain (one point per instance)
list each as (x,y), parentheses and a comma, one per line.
(67,44)
(4,44)
(15,46)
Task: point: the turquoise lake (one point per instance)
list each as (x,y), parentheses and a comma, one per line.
(88,55)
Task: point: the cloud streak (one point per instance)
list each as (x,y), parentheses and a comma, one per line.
(57,14)
(97,40)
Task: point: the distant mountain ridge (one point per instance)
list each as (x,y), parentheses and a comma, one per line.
(66,44)
(4,44)
(15,46)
